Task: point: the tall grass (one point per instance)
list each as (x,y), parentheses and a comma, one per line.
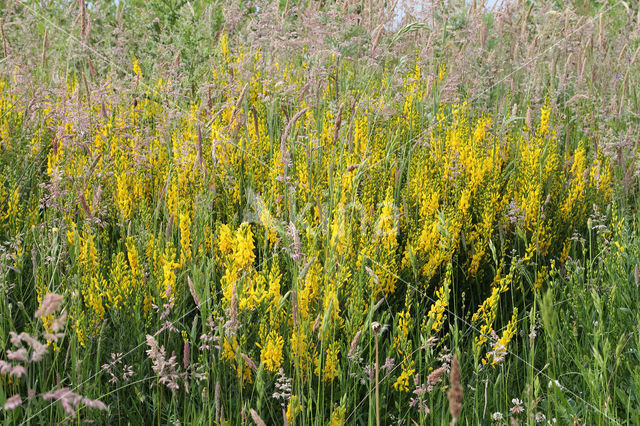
(293,213)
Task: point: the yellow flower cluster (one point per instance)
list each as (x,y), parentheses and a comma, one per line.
(309,215)
(271,354)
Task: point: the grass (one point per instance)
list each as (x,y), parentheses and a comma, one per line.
(294,213)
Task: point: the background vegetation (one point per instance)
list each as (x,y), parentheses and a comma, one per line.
(349,212)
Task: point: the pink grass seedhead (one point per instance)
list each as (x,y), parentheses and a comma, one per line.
(49,305)
(256,418)
(18,371)
(12,403)
(19,355)
(71,401)
(455,391)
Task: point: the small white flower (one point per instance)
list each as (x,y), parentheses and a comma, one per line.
(556,383)
(497,416)
(517,406)
(540,417)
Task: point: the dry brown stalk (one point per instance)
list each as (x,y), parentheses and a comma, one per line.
(5,49)
(285,134)
(600,31)
(43,59)
(192,290)
(252,365)
(337,124)
(455,390)
(92,69)
(216,401)
(523,28)
(236,107)
(90,170)
(354,344)
(86,88)
(256,418)
(169,227)
(83,20)
(376,37)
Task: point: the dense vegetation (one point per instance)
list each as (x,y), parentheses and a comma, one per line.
(319,212)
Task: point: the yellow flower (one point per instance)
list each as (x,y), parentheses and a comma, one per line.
(337,417)
(271,354)
(225,240)
(243,255)
(229,348)
(402,384)
(293,408)
(331,364)
(499,351)
(185,238)
(136,66)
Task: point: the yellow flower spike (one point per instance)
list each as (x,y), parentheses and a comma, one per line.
(499,351)
(338,416)
(271,354)
(293,409)
(225,240)
(185,238)
(169,266)
(229,348)
(437,312)
(331,364)
(443,72)
(545,113)
(136,66)
(243,255)
(402,383)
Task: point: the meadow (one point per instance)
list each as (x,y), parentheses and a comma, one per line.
(315,212)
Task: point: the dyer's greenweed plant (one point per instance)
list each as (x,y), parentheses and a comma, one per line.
(290,214)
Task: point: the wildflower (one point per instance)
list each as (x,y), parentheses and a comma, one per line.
(185,238)
(500,348)
(293,409)
(330,368)
(517,406)
(136,66)
(243,255)
(283,385)
(271,354)
(337,417)
(497,416)
(402,383)
(225,240)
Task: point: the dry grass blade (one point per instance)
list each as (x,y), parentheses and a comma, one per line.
(256,418)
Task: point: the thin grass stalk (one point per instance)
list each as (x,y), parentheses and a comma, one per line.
(43,59)
(5,48)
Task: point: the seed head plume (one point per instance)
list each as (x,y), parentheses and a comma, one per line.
(455,391)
